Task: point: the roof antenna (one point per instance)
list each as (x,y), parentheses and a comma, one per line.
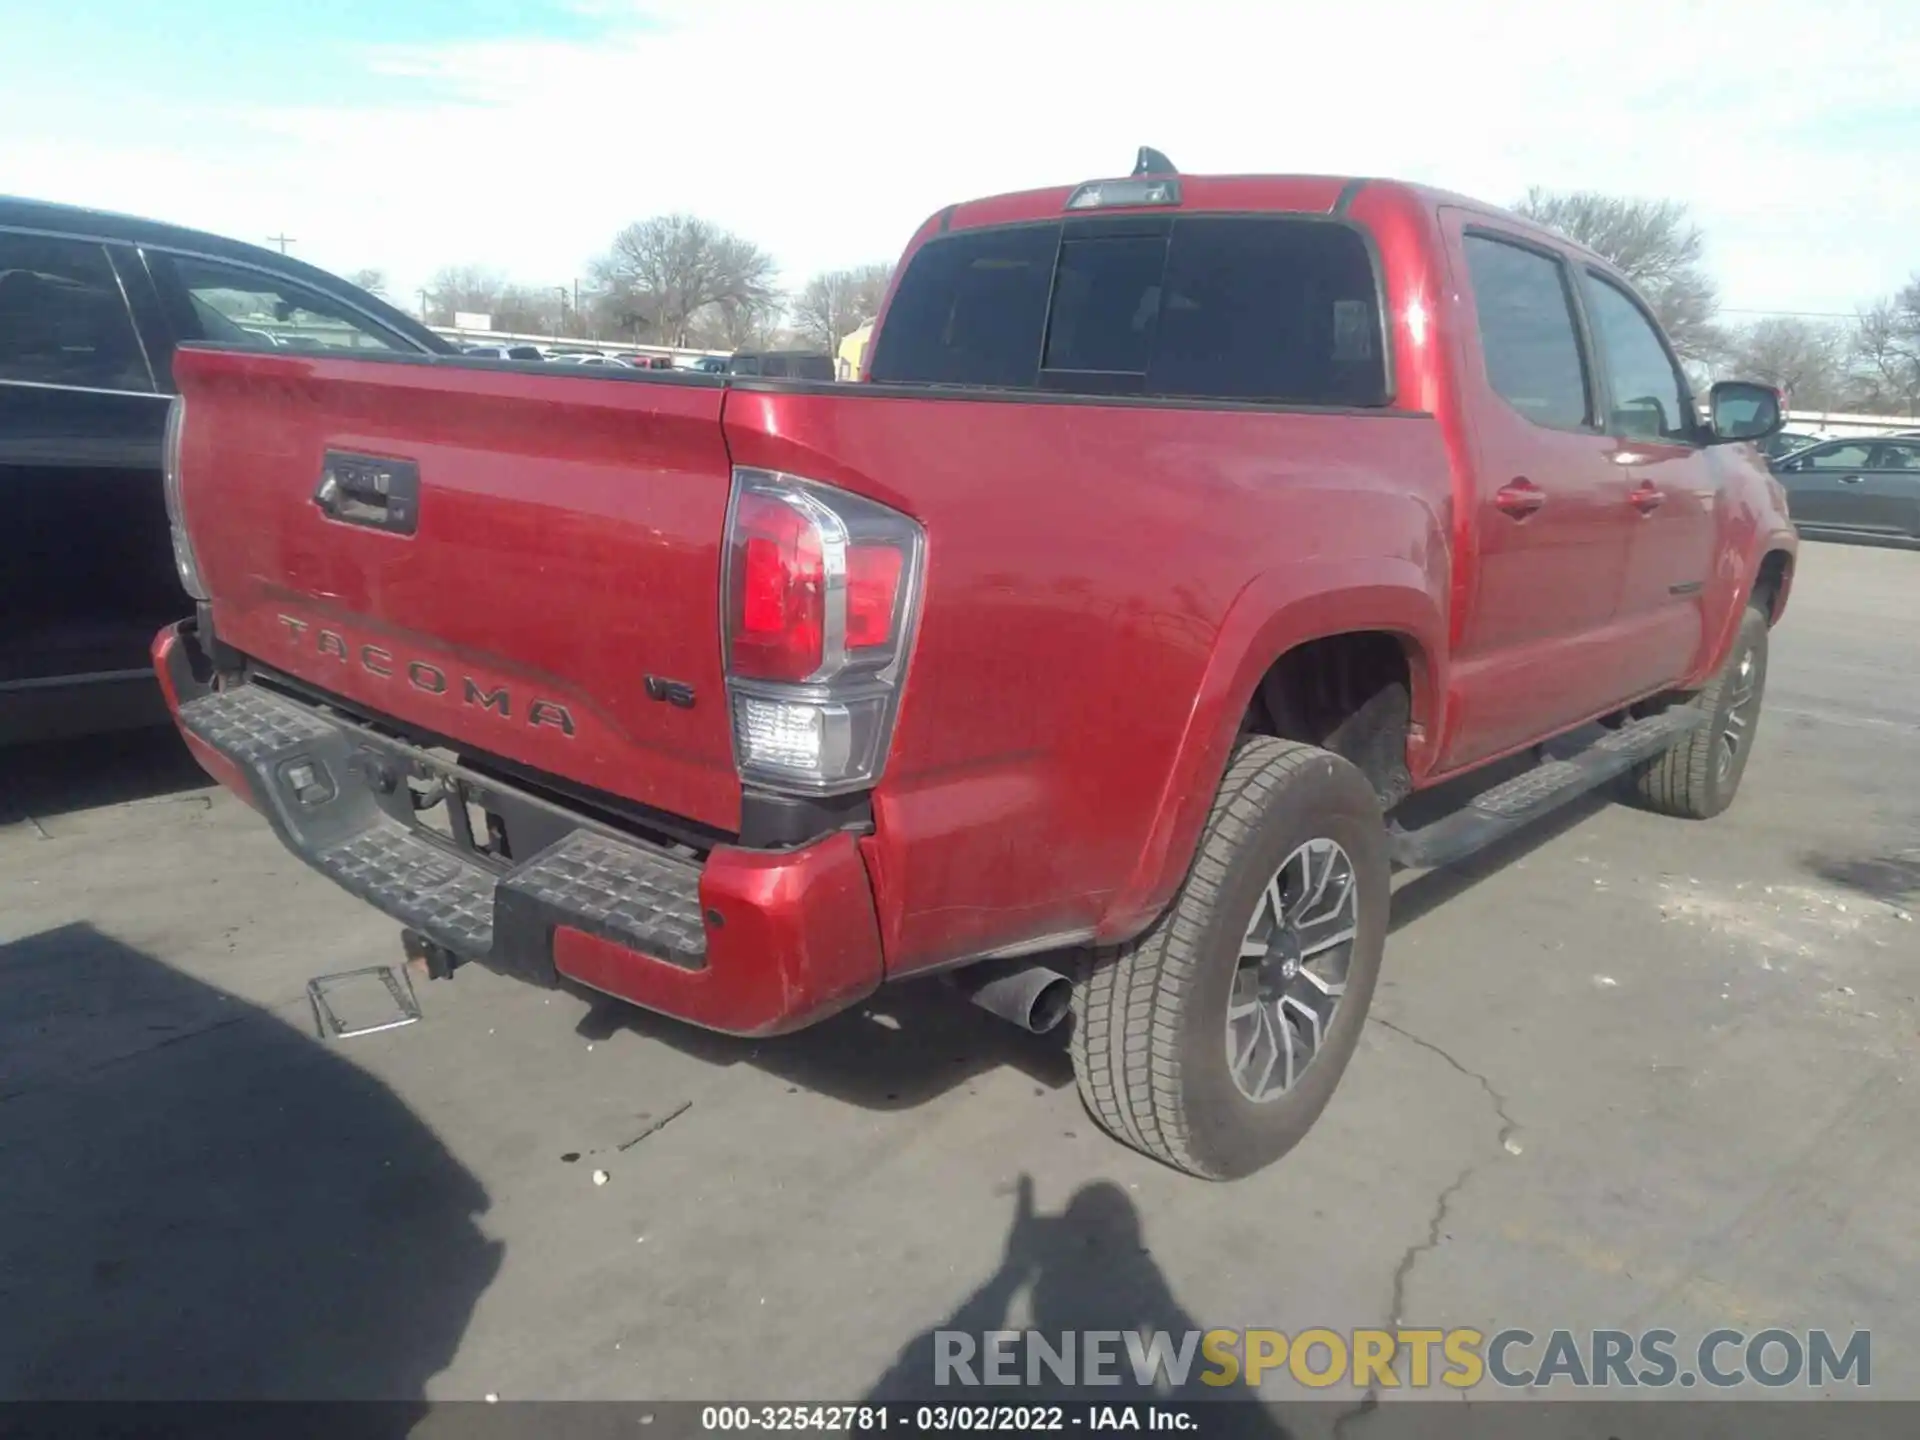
(1152,162)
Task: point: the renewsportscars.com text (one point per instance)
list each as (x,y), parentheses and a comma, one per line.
(1457,1359)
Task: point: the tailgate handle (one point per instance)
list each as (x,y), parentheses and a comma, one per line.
(371,490)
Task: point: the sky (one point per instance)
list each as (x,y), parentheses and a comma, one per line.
(405,135)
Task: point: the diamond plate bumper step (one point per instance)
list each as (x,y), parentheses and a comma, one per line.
(1497,813)
(313,775)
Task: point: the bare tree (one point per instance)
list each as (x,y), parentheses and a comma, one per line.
(1655,244)
(1807,360)
(374,282)
(1886,354)
(832,305)
(660,274)
(462,287)
(732,325)
(528,310)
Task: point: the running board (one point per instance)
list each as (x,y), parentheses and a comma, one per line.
(1552,783)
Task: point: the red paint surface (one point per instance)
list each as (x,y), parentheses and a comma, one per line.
(568,546)
(796,943)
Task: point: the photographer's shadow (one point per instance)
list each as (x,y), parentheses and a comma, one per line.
(1086,1269)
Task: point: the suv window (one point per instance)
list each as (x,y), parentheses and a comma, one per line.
(1837,457)
(1649,401)
(1527,333)
(234,305)
(63,320)
(1275,309)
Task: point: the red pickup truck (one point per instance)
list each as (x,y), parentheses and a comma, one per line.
(1085,651)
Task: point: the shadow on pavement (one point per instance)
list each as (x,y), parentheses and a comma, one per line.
(198,1202)
(1892,878)
(903,1046)
(57,777)
(1086,1269)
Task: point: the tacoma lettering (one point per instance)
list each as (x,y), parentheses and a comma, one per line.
(427,678)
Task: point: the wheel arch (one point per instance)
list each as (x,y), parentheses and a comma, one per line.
(1275,616)
(1773,581)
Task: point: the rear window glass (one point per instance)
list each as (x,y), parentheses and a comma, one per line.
(970,310)
(1206,307)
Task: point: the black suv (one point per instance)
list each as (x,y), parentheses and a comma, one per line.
(92,306)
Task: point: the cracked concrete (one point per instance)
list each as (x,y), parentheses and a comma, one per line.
(1709,1140)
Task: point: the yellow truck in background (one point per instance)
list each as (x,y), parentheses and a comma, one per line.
(853,350)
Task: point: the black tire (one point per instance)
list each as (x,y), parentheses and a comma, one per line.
(1150,1028)
(1697,779)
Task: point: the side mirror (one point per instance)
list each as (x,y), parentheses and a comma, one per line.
(1742,410)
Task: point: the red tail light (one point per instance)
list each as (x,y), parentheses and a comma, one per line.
(820,593)
(873,590)
(782,580)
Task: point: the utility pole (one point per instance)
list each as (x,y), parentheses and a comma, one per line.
(423,305)
(561,316)
(283,241)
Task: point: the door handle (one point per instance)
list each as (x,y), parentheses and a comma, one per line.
(378,493)
(1852,479)
(1646,499)
(1519,498)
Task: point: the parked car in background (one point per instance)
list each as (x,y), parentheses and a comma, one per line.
(92,306)
(704,364)
(504,352)
(782,364)
(1865,487)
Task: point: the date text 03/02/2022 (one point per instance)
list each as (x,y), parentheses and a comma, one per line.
(939,1418)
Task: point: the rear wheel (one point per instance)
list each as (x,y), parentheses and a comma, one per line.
(1698,778)
(1214,1040)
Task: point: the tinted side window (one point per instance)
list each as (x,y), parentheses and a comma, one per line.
(63,320)
(237,306)
(1527,332)
(1649,402)
(1269,309)
(970,310)
(1898,455)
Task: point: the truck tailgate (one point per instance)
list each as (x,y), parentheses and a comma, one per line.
(553,599)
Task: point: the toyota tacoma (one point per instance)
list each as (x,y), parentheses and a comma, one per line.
(1087,650)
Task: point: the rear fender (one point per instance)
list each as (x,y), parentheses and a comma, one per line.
(1275,613)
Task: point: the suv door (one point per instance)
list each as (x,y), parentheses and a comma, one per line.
(1537,653)
(86,571)
(1821,483)
(1673,489)
(1892,486)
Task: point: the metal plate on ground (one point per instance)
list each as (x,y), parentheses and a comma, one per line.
(362,1002)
